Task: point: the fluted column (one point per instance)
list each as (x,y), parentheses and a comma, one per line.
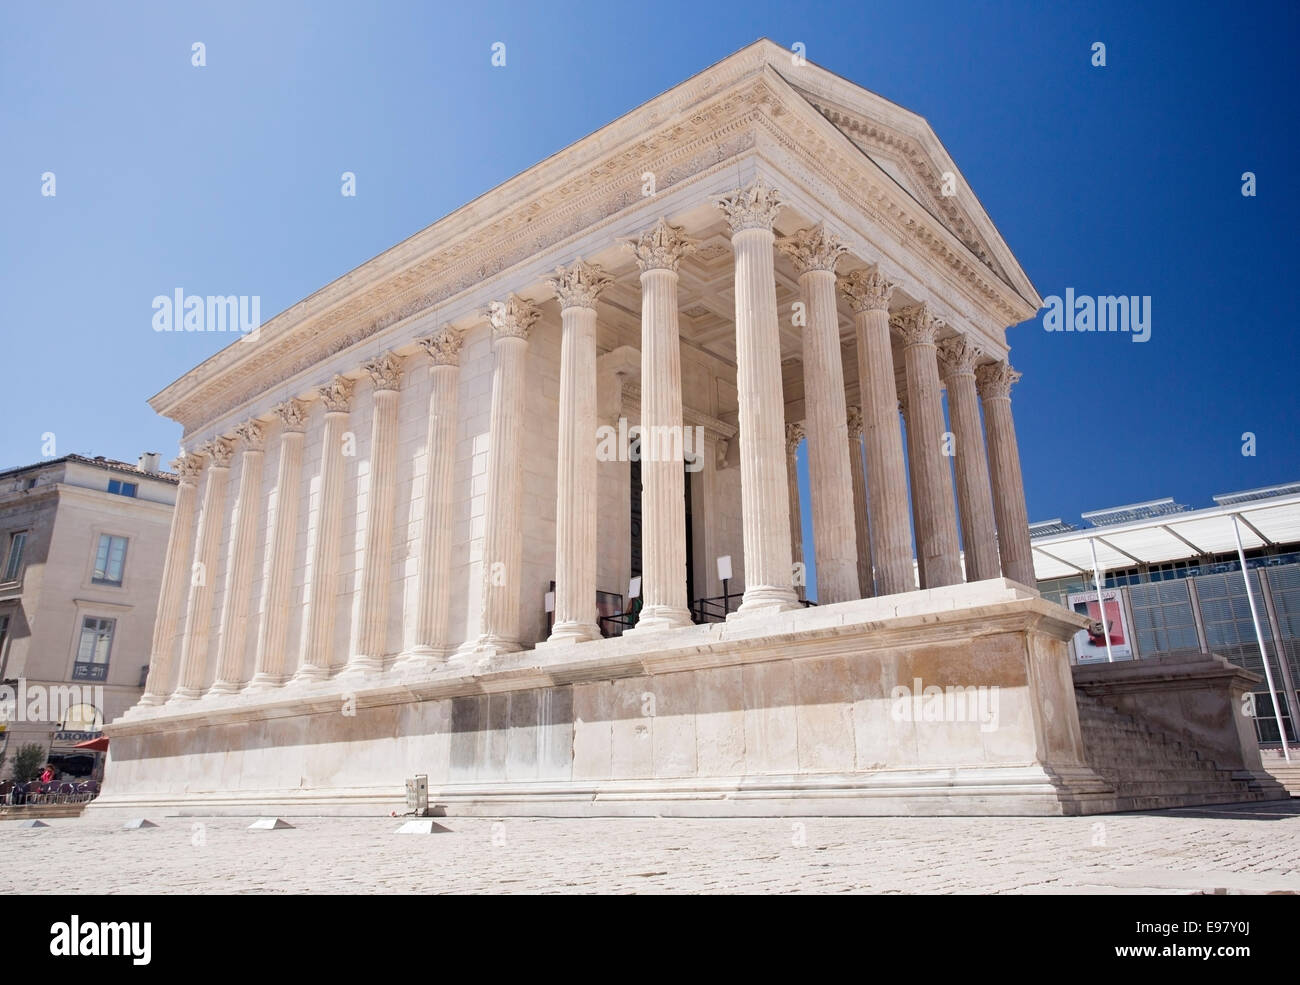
(974,495)
(577,288)
(861,523)
(937,537)
(794,434)
(322,598)
(269,669)
(198,607)
(171,596)
(994,381)
(239,570)
(439,498)
(512,320)
(663,509)
(869,292)
(814,253)
(916,489)
(765,501)
(385,372)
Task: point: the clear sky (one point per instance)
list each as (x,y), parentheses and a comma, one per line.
(225,179)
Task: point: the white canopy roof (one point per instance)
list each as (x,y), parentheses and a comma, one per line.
(1265,522)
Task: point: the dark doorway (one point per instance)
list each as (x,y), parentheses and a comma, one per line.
(635,556)
(635,526)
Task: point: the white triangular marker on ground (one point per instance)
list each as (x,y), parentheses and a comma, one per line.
(421,826)
(269,824)
(33,824)
(138,822)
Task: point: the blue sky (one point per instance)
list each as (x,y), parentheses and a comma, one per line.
(225,179)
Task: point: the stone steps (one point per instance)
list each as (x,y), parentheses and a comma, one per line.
(1151,769)
(1287,775)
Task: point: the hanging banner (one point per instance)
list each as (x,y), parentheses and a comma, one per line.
(1105,620)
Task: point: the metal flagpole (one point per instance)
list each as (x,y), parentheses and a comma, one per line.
(1259,638)
(1101,605)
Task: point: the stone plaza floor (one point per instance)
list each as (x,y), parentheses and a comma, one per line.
(1235,849)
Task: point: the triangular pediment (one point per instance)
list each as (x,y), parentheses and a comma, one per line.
(905,147)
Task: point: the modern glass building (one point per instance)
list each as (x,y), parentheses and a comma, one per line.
(1175,582)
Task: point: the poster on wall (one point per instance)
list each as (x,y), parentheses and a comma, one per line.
(1104,620)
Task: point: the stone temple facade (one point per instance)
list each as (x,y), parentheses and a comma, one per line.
(380,486)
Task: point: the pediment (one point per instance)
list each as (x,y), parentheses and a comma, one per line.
(906,148)
(712,117)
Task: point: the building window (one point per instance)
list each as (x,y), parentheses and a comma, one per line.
(14,563)
(120,488)
(1163,615)
(93,650)
(110,559)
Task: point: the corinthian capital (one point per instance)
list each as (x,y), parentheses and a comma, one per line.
(385,371)
(187,467)
(812,249)
(755,207)
(854,418)
(958,356)
(867,290)
(661,247)
(253,434)
(918,325)
(578,286)
(336,395)
(292,414)
(218,452)
(444,348)
(512,318)
(794,433)
(995,380)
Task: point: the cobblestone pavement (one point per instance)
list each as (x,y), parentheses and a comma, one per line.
(1252,848)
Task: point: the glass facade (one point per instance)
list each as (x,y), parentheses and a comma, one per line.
(1166,604)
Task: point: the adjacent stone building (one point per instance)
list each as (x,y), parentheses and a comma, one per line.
(83,541)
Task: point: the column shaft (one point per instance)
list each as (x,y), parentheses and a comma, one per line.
(372,614)
(814,253)
(915,487)
(575,509)
(239,571)
(765,501)
(663,489)
(891,536)
(861,522)
(171,596)
(198,607)
(995,381)
(322,599)
(439,492)
(269,669)
(974,495)
(937,532)
(512,320)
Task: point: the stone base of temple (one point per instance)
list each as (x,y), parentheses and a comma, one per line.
(954,701)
